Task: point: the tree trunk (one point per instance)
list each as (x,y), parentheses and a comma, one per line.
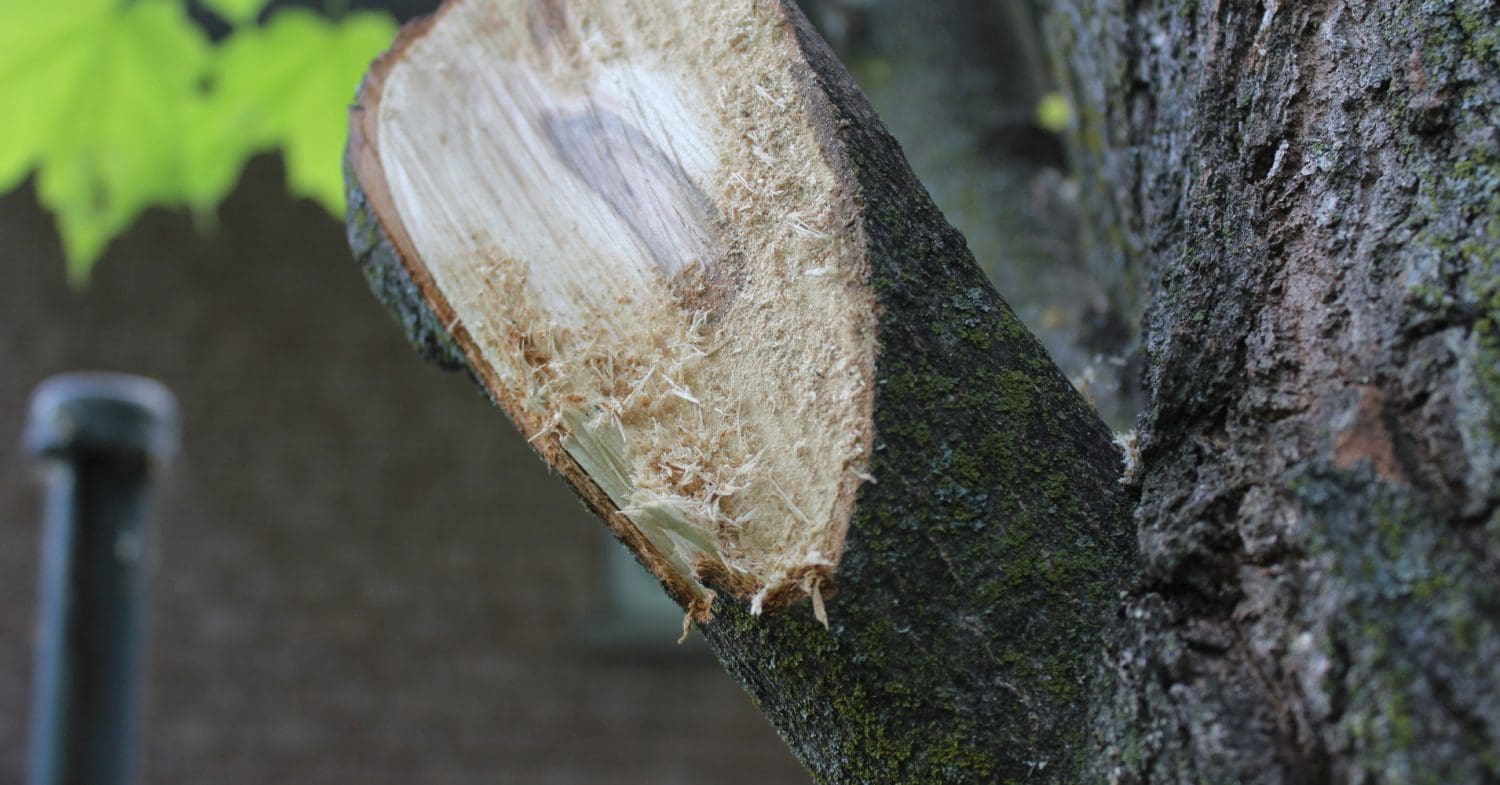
(1310,194)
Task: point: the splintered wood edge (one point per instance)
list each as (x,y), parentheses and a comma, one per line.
(818,581)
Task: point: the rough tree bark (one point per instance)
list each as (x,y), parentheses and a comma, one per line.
(1306,198)
(1309,194)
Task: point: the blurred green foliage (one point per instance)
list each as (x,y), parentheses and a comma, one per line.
(1054,112)
(121,105)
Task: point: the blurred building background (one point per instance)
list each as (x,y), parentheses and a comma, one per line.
(364,574)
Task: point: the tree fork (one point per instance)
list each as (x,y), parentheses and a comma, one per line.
(683,255)
(1311,191)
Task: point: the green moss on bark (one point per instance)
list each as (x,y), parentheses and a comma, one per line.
(1413,595)
(982,565)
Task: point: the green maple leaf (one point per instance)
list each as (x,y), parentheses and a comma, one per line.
(31,72)
(98,96)
(120,105)
(289,85)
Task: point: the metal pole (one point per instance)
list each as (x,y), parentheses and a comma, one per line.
(99,439)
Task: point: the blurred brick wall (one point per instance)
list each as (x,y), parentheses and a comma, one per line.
(364,575)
